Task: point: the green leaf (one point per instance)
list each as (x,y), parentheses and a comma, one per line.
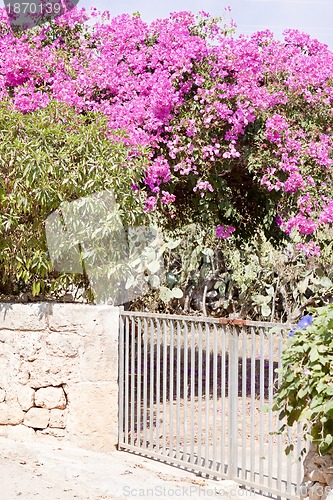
(208,251)
(314,355)
(171,244)
(154,266)
(266,310)
(328,407)
(36,288)
(326,282)
(289,449)
(154,281)
(305,414)
(177,293)
(303,285)
(302,392)
(165,294)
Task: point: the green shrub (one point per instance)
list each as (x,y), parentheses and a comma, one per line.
(47,157)
(306,391)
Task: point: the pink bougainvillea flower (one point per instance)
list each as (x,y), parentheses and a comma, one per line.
(210,109)
(224,232)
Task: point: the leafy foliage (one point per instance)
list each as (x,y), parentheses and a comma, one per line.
(247,279)
(306,391)
(48,157)
(239,128)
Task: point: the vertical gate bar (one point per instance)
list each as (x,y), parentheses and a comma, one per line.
(193,332)
(126,378)
(121,381)
(200,381)
(133,377)
(215,374)
(207,395)
(233,403)
(298,451)
(138,387)
(158,382)
(185,389)
(223,395)
(178,434)
(244,399)
(145,382)
(253,408)
(171,379)
(289,464)
(151,384)
(262,401)
(271,456)
(280,453)
(165,368)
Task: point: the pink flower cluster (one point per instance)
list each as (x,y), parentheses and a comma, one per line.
(224,232)
(203,186)
(198,99)
(310,249)
(276,126)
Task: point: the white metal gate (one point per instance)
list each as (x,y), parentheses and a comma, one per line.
(198,392)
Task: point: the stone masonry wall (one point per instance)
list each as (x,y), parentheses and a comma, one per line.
(59,373)
(318,476)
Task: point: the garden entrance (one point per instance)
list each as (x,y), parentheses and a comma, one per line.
(198,392)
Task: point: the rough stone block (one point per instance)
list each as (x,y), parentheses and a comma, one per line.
(321,461)
(62,344)
(38,418)
(54,433)
(55,371)
(329,479)
(11,414)
(317,475)
(99,359)
(81,318)
(58,419)
(13,370)
(316,491)
(25,397)
(93,415)
(50,397)
(28,345)
(24,317)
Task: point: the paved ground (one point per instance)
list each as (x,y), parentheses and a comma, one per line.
(49,472)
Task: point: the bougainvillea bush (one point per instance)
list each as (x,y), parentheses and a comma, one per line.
(238,129)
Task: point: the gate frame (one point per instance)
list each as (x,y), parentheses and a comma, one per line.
(233,463)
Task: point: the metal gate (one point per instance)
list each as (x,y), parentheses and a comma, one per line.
(198,392)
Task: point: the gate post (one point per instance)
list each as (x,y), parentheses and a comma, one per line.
(121,377)
(233,402)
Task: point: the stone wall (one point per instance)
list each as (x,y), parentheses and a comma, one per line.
(59,373)
(318,476)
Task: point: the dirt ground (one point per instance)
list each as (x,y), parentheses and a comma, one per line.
(48,472)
